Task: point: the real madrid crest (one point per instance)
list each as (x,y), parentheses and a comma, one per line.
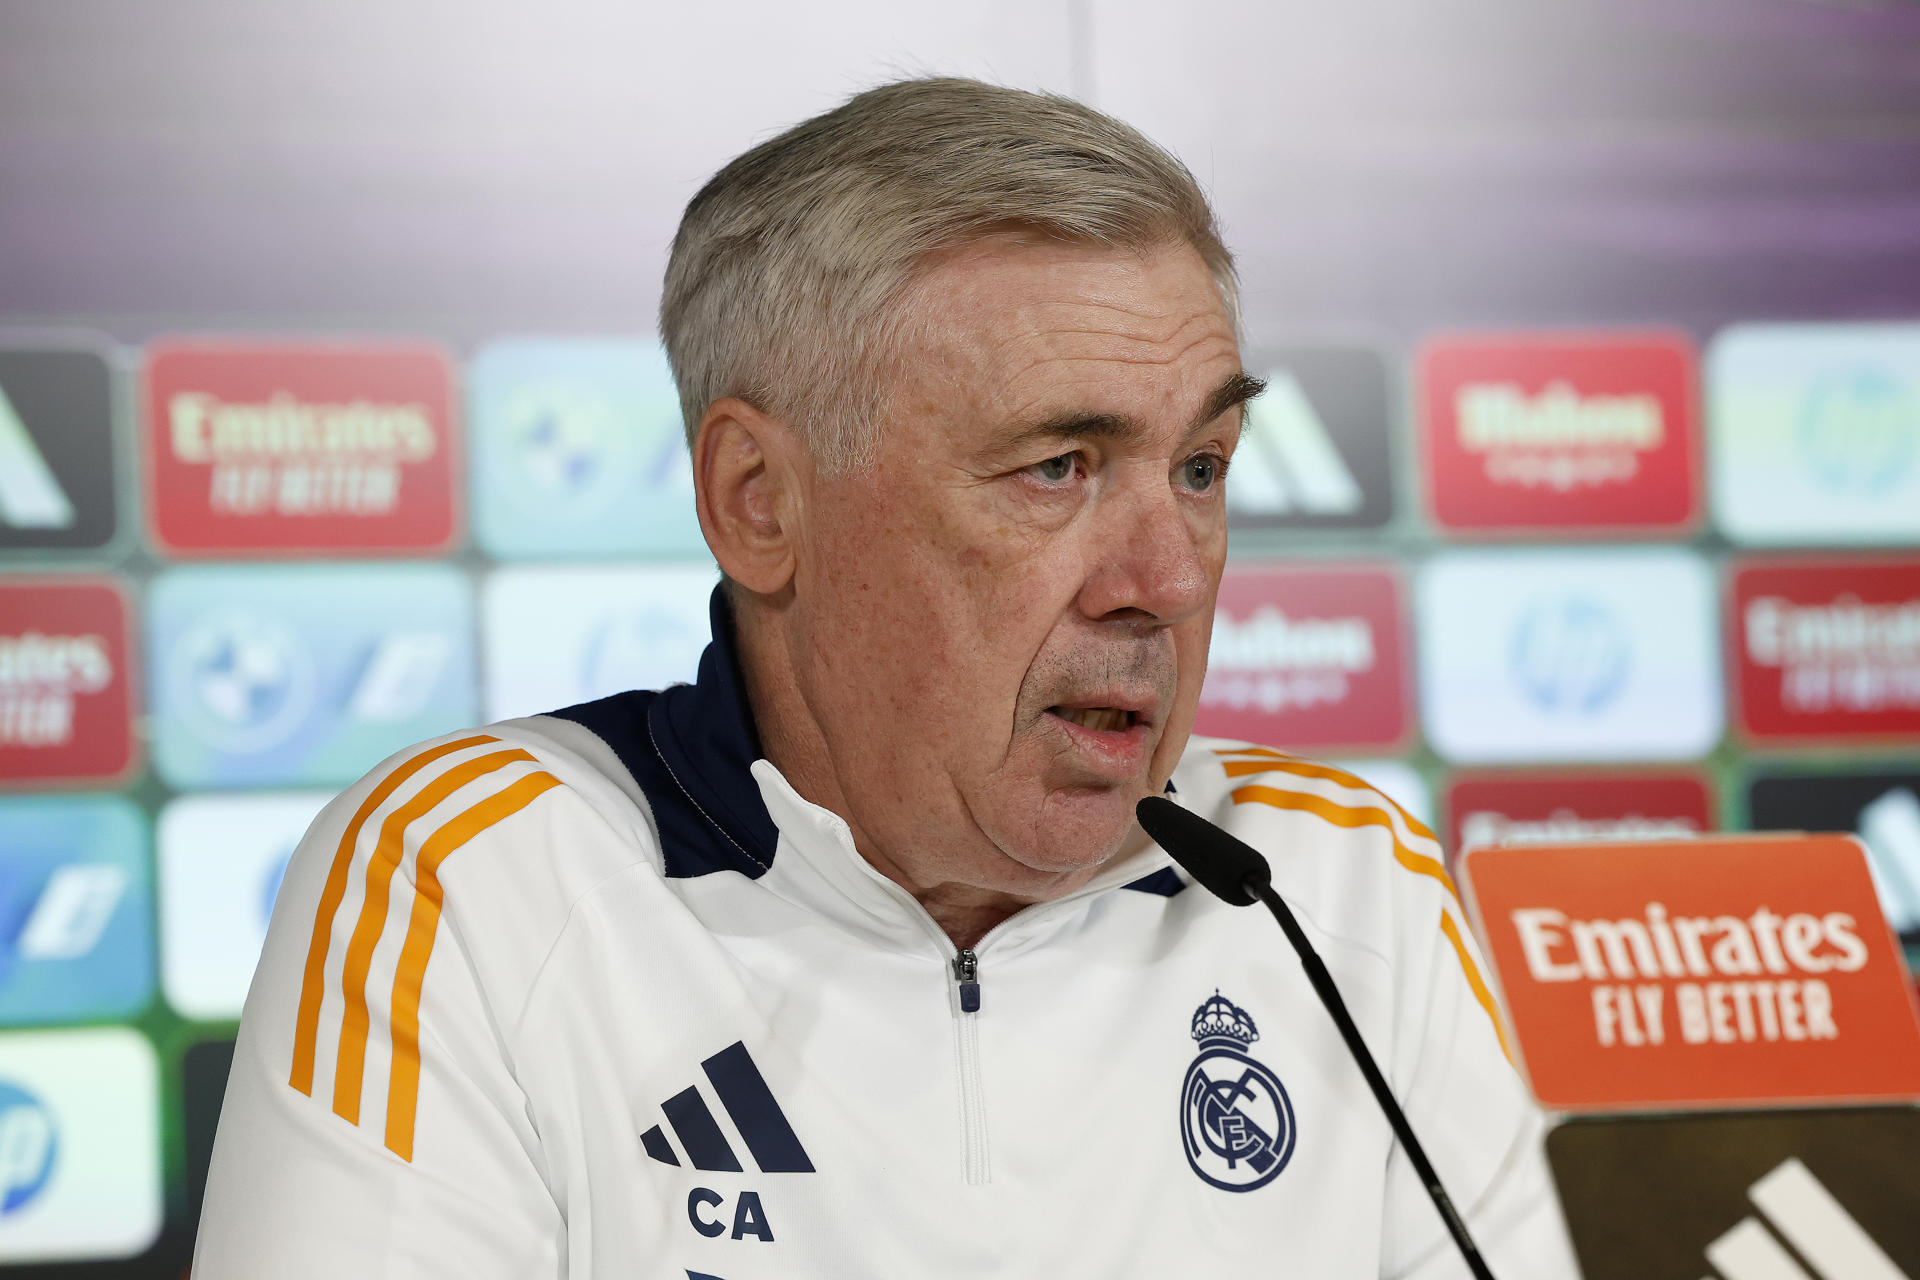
(1235,1120)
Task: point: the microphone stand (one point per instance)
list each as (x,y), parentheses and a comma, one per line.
(1257,886)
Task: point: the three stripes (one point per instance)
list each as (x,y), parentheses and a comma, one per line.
(433,844)
(1828,1238)
(743,1091)
(1354,817)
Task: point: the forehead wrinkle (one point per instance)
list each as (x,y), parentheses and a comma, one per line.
(1136,356)
(1212,322)
(1041,362)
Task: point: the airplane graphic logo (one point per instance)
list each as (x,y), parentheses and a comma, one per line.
(748,1102)
(1825,1236)
(72,912)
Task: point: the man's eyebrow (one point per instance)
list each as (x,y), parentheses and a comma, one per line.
(1236,390)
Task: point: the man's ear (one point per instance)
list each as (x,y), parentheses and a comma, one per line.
(748,482)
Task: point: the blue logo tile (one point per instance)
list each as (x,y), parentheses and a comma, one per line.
(304,674)
(76,910)
(578,449)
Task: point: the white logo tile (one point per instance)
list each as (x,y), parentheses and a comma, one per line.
(1529,656)
(1814,433)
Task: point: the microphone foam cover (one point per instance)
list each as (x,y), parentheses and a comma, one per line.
(1226,867)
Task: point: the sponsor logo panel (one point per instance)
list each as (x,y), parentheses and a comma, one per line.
(1814,433)
(304,674)
(278,447)
(76,910)
(1723,970)
(66,690)
(558,635)
(1826,1194)
(1828,649)
(222,859)
(1540,656)
(1307,657)
(1555,809)
(1317,452)
(1882,808)
(79,1145)
(579,449)
(1565,432)
(57,465)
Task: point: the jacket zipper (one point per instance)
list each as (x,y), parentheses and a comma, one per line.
(973,1106)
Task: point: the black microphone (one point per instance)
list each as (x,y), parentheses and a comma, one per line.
(1234,872)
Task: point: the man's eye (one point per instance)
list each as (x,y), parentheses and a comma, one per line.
(1056,470)
(1202,471)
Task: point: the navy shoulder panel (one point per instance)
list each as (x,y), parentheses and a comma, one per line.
(689,748)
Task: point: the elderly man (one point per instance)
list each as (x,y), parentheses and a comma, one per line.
(848,959)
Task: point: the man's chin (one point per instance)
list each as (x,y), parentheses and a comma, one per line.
(1073,831)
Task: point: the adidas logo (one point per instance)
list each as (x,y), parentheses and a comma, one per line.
(748,1102)
(1289,465)
(1829,1242)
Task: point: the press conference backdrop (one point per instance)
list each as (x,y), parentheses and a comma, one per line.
(1584,501)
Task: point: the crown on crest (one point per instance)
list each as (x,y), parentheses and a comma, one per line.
(1221,1019)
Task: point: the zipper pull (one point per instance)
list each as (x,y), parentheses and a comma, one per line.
(966,972)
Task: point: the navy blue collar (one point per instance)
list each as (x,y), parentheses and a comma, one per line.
(705,735)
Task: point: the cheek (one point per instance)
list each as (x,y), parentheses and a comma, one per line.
(1190,645)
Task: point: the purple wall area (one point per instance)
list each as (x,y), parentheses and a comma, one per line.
(1399,162)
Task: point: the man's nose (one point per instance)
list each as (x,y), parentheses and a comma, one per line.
(1149,557)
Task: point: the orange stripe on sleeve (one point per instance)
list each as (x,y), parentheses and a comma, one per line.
(1352,817)
(350,1065)
(1474,980)
(403,1085)
(1367,816)
(307,1022)
(1308,769)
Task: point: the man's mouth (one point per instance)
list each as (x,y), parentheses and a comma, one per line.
(1099,719)
(1107,740)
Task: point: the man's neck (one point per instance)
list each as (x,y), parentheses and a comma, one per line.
(793,743)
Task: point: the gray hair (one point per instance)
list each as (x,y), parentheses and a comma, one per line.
(786,279)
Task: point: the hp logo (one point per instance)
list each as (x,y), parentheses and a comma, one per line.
(27,1146)
(1571,655)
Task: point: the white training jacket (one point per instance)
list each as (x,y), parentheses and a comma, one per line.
(599,995)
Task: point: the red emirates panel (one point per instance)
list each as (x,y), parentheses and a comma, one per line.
(1308,658)
(1725,971)
(1559,809)
(1564,432)
(282,447)
(66,681)
(1827,649)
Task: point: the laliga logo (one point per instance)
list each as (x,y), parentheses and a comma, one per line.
(1235,1120)
(27,1147)
(1570,654)
(1858,431)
